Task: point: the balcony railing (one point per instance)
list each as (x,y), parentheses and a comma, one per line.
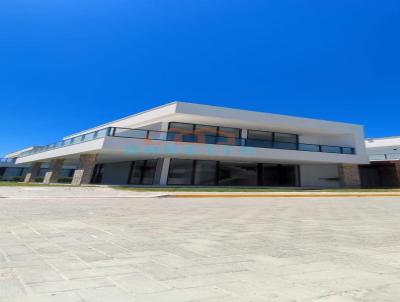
(189,138)
(7,160)
(382,157)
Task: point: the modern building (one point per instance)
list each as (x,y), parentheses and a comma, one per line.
(10,171)
(384,169)
(191,144)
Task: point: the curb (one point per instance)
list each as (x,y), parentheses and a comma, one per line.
(279,195)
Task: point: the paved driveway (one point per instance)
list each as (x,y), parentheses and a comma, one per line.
(63,245)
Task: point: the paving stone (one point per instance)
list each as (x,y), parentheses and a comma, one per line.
(61,286)
(196,250)
(10,285)
(51,297)
(139,284)
(105,294)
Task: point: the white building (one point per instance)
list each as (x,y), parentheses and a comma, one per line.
(191,144)
(384,170)
(10,171)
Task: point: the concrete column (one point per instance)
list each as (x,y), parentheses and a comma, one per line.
(33,172)
(51,176)
(164,171)
(244,133)
(164,129)
(349,176)
(244,136)
(83,174)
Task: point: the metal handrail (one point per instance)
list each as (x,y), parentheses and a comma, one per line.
(384,156)
(190,138)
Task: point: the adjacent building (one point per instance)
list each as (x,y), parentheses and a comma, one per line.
(384,169)
(191,144)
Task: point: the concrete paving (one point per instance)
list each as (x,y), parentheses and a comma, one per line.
(54,248)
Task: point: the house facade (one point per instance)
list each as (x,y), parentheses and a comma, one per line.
(191,144)
(384,167)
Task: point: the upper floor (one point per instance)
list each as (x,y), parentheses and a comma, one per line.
(188,124)
(383,149)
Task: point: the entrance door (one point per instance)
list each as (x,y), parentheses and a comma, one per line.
(143,172)
(279,175)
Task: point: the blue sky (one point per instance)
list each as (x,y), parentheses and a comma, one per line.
(67,65)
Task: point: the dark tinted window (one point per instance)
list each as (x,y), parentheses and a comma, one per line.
(287,138)
(180,172)
(143,172)
(149,170)
(229,132)
(237,174)
(205,172)
(259,135)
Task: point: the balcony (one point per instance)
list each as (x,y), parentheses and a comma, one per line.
(384,157)
(198,139)
(7,160)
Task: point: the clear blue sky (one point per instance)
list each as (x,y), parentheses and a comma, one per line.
(67,65)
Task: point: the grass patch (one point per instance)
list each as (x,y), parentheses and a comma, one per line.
(31,184)
(247,189)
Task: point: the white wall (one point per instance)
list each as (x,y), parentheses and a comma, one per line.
(116,173)
(318,175)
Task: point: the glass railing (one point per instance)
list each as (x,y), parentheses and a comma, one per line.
(7,160)
(382,157)
(68,142)
(189,138)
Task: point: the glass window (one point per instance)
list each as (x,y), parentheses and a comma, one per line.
(206,134)
(181,128)
(348,150)
(149,170)
(205,172)
(88,137)
(285,141)
(136,173)
(180,172)
(237,174)
(2,171)
(102,133)
(309,147)
(97,173)
(285,138)
(205,130)
(279,175)
(130,133)
(229,132)
(331,149)
(262,139)
(180,132)
(260,135)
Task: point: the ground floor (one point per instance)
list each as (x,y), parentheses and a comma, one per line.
(177,171)
(13,173)
(380,174)
(95,244)
(17,173)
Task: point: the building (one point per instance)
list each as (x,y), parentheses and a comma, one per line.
(384,169)
(10,171)
(191,144)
